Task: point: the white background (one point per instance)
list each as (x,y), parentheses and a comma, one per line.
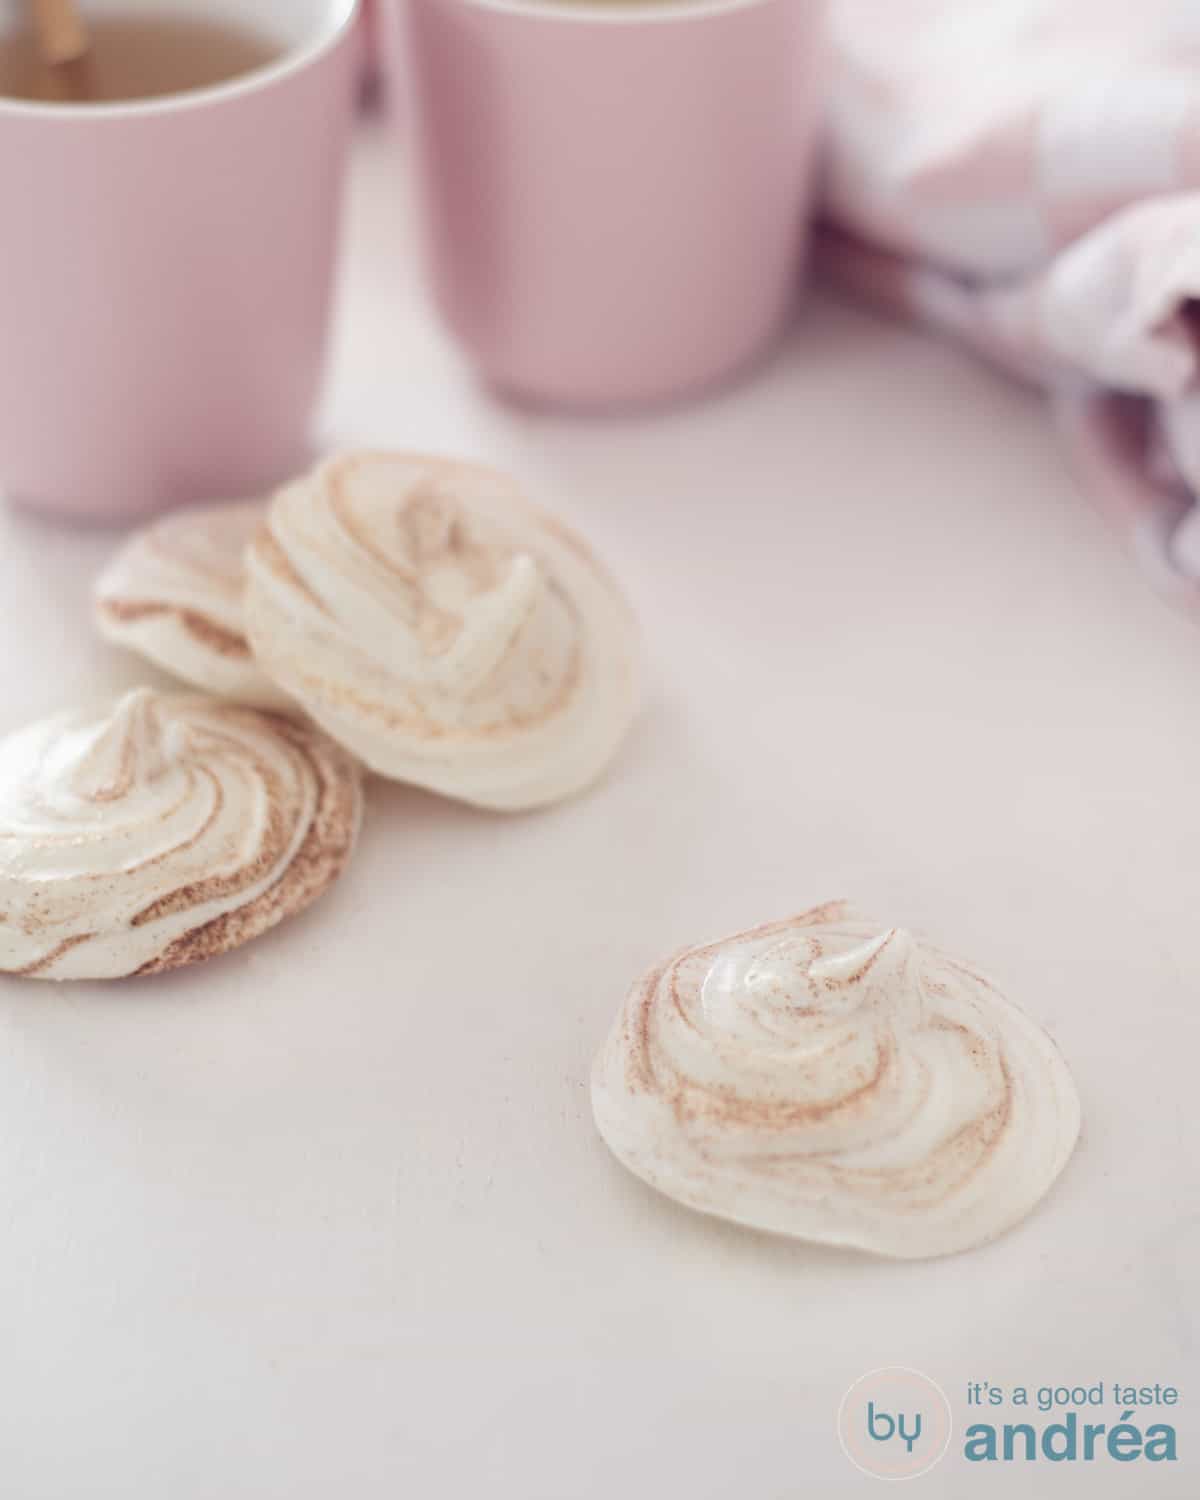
(329,1215)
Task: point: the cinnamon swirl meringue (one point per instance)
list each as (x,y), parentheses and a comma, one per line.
(837,1081)
(166,831)
(447,632)
(174,593)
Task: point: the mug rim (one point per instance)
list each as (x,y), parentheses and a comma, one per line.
(343,14)
(627,13)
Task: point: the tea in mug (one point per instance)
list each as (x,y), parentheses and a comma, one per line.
(133,57)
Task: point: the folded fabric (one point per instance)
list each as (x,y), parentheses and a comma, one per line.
(1025,175)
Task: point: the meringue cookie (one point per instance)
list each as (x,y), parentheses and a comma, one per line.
(837,1081)
(167,831)
(443,629)
(174,593)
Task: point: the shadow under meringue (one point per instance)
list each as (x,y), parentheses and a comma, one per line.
(648,1208)
(701,1230)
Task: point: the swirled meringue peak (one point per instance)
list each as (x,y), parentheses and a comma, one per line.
(837,1081)
(450,634)
(168,830)
(174,593)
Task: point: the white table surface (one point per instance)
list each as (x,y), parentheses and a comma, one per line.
(329,1216)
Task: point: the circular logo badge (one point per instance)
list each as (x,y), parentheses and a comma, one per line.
(895,1423)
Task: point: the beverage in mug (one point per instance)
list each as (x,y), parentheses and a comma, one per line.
(133,55)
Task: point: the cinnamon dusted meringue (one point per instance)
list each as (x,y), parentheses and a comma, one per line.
(450,634)
(174,593)
(167,831)
(838,1081)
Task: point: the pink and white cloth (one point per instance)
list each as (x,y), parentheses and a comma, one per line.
(1025,174)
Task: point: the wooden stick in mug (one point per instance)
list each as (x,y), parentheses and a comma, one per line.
(62,35)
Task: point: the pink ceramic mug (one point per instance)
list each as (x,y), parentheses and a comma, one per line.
(165,272)
(614,194)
